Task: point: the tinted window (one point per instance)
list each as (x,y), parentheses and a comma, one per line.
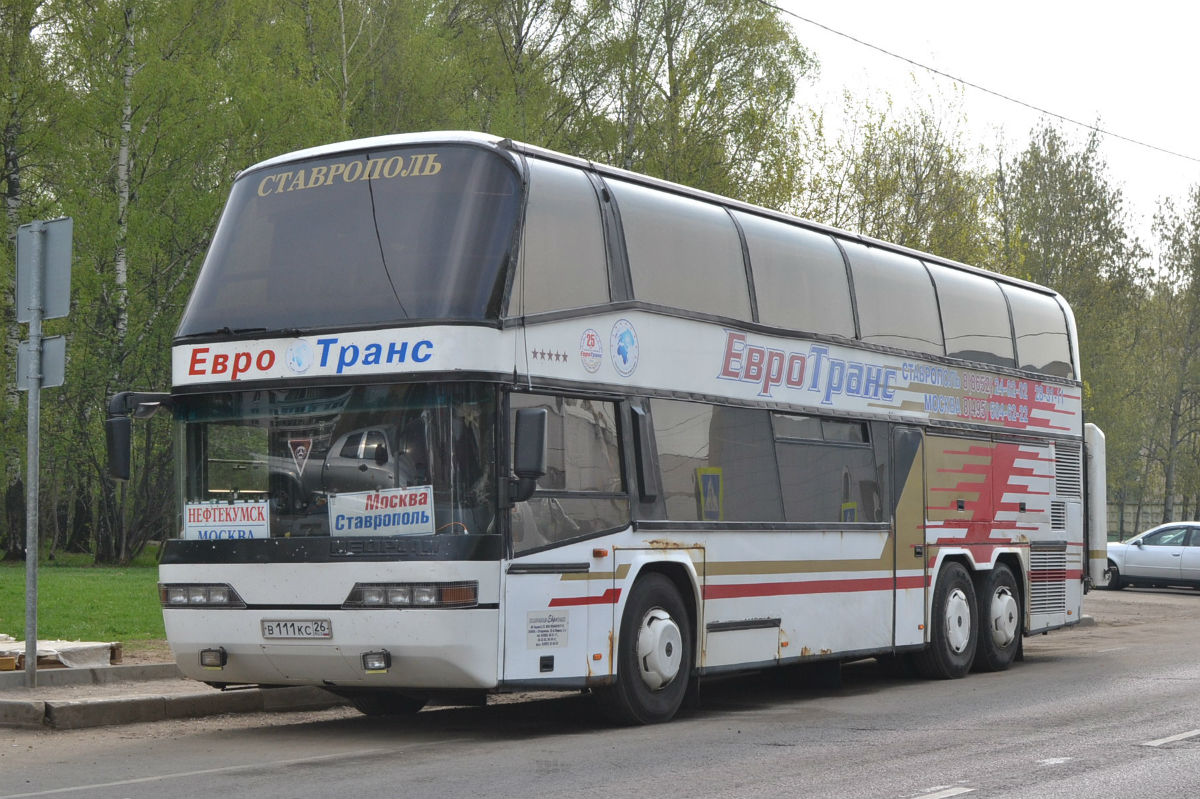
(683,253)
(1041,328)
(582,491)
(360,238)
(974,316)
(799,277)
(562,258)
(828,480)
(718,463)
(896,304)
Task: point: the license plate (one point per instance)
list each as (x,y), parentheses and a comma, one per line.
(297,628)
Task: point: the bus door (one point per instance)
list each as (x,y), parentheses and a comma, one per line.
(908,519)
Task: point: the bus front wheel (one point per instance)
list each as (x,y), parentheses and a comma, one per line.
(953,633)
(385,702)
(654,657)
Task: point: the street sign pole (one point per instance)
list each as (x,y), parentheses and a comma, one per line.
(43,292)
(32,450)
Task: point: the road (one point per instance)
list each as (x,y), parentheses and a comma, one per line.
(1110,709)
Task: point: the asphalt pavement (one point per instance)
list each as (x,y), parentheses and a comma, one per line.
(73,698)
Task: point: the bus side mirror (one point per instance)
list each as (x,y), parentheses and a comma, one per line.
(529,452)
(117,433)
(118,427)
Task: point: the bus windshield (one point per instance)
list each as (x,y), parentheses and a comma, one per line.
(360,238)
(377,460)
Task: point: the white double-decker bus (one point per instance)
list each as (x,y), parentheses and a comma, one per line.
(456,415)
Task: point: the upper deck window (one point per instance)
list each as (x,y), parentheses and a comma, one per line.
(683,253)
(562,260)
(896,303)
(1042,341)
(974,316)
(799,277)
(360,238)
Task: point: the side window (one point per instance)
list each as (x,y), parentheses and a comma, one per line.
(799,277)
(683,253)
(375,441)
(1171,537)
(350,448)
(974,316)
(827,470)
(717,462)
(582,492)
(895,299)
(562,261)
(1042,341)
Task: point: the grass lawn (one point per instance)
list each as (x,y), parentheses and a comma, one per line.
(81,602)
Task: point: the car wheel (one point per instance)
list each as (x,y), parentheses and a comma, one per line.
(1113,578)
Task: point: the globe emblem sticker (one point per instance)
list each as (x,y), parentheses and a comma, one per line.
(300,357)
(623,344)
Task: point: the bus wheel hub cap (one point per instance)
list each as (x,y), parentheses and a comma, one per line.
(958,620)
(659,649)
(1003,622)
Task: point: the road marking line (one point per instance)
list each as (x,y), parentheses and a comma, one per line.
(201,772)
(946,793)
(1172,739)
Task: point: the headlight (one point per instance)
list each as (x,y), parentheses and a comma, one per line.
(198,595)
(463,594)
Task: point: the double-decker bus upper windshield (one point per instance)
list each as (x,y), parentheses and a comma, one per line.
(376,460)
(360,238)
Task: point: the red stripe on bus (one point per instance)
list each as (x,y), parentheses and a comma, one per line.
(609,597)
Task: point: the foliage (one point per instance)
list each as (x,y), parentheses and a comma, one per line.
(134,116)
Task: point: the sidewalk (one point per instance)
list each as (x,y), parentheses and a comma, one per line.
(74,698)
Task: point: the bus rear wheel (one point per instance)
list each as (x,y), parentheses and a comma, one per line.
(1000,619)
(654,657)
(953,633)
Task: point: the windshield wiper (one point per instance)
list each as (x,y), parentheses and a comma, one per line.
(228,331)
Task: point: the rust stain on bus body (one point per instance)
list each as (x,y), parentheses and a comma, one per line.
(660,543)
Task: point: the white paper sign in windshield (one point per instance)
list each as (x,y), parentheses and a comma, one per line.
(388,511)
(226,521)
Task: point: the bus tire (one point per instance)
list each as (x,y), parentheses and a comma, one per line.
(386,703)
(953,633)
(654,655)
(1000,618)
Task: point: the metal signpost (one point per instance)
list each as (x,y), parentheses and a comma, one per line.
(43,292)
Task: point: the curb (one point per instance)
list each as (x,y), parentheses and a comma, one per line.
(100,675)
(78,714)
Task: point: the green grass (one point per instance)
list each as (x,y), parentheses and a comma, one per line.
(81,602)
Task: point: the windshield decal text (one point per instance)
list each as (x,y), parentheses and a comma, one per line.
(397,166)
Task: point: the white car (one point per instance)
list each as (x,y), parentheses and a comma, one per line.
(1167,555)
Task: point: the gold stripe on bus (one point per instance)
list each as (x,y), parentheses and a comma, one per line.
(620,574)
(749,567)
